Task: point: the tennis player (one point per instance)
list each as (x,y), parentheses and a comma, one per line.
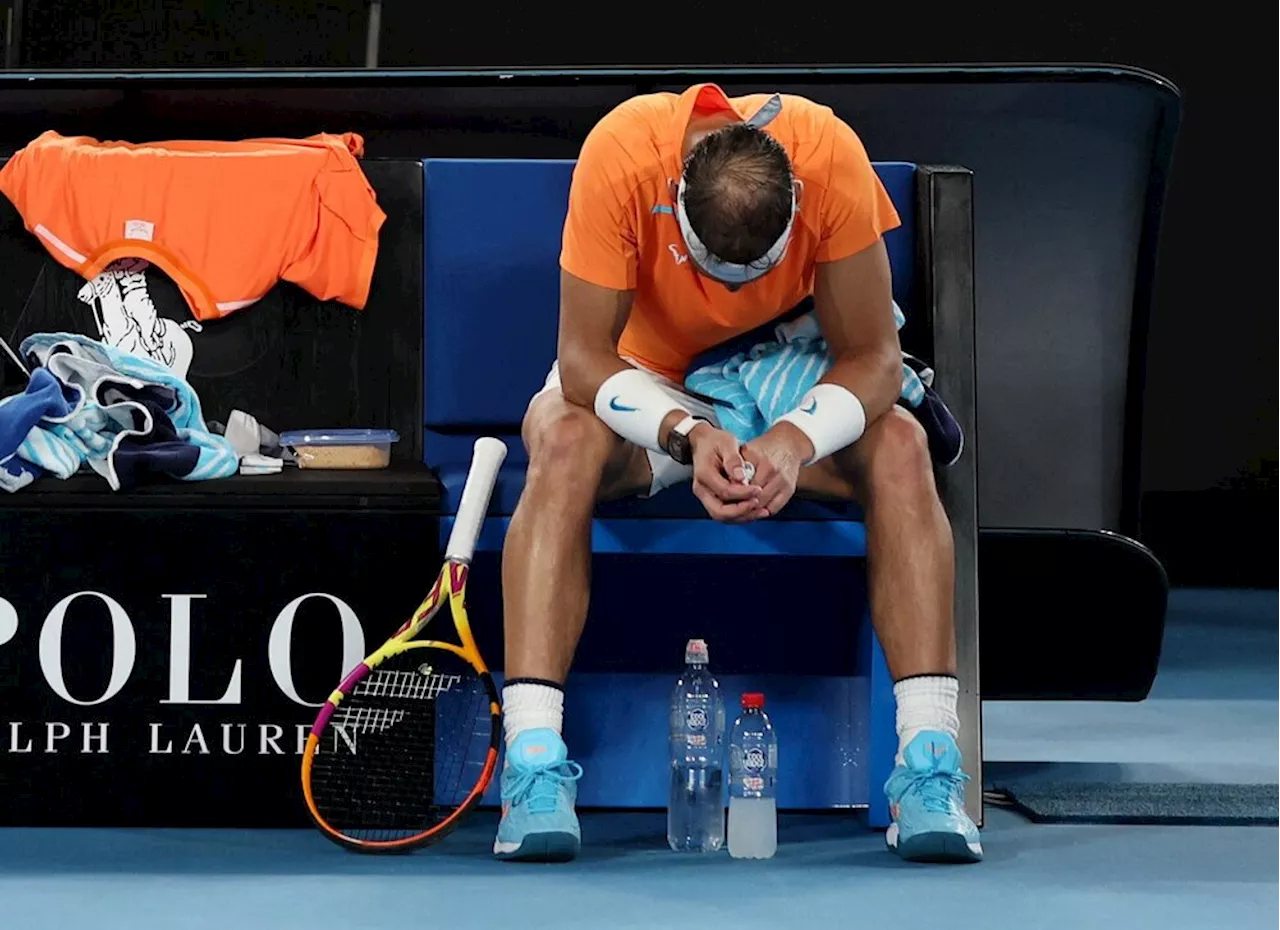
(694,218)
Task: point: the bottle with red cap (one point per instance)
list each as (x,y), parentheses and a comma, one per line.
(753,777)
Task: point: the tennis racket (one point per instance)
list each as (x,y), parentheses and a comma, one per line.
(408,742)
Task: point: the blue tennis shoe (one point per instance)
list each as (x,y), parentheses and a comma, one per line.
(926,803)
(539,787)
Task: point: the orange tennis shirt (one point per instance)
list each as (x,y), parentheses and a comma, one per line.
(621,231)
(225,220)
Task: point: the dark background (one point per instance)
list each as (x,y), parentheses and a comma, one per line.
(1210,442)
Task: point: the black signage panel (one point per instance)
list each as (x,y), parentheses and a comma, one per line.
(162,667)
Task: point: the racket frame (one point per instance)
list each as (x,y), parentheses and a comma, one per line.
(451,587)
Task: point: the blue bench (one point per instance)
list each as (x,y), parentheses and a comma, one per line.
(491,293)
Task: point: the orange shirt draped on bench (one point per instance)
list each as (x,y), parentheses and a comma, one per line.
(621,231)
(225,220)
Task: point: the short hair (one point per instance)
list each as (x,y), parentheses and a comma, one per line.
(738,190)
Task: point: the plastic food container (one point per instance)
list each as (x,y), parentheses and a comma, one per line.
(341,448)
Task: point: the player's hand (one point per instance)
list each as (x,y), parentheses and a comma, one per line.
(719,480)
(777,457)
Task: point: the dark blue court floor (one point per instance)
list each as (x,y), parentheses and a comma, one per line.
(1212,716)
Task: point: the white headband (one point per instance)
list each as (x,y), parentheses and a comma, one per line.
(731,272)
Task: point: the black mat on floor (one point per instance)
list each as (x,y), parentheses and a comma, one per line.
(1142,803)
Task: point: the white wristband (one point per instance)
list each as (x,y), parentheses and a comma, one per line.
(831,416)
(633,405)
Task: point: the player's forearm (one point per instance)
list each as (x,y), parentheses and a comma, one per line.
(582,371)
(875,378)
(633,407)
(856,391)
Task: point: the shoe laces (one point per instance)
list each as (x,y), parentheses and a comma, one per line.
(936,789)
(539,785)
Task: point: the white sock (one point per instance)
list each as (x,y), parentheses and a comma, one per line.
(927,702)
(528,706)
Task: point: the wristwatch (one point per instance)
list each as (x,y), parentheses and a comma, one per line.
(678,445)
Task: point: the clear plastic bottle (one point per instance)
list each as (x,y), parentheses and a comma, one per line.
(753,779)
(695,806)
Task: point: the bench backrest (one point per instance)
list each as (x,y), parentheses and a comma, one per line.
(491,290)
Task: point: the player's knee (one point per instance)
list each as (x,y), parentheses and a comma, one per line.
(568,443)
(897,455)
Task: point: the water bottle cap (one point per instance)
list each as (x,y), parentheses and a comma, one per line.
(695,652)
(753,700)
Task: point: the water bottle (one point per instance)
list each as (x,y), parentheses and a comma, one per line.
(753,777)
(695,806)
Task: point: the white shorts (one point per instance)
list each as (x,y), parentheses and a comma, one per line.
(666,471)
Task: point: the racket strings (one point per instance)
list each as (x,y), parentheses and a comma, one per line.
(405,748)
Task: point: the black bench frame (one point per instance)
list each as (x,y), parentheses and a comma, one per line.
(945,305)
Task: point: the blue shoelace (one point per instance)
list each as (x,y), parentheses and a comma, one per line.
(936,789)
(539,785)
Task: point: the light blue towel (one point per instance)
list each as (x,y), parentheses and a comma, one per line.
(101,384)
(755,388)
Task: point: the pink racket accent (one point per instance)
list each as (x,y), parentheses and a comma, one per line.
(322,718)
(356,674)
(348,683)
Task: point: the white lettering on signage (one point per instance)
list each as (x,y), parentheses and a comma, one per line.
(97,738)
(51,741)
(196,736)
(8,621)
(123,648)
(226,739)
(155,742)
(276,733)
(89,738)
(282,637)
(57,651)
(342,732)
(181,649)
(180,656)
(15,738)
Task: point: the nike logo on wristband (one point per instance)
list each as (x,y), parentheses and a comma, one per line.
(614,405)
(813,406)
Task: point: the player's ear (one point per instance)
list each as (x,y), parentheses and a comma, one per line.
(673,188)
(798,185)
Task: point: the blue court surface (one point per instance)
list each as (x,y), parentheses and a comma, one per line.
(1211,717)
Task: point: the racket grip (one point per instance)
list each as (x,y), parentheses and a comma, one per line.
(486,459)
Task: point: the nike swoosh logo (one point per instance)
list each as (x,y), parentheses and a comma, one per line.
(813,405)
(614,405)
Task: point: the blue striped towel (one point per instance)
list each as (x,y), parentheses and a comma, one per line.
(756,386)
(126,417)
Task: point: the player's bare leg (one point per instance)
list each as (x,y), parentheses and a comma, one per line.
(910,554)
(574,460)
(911,577)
